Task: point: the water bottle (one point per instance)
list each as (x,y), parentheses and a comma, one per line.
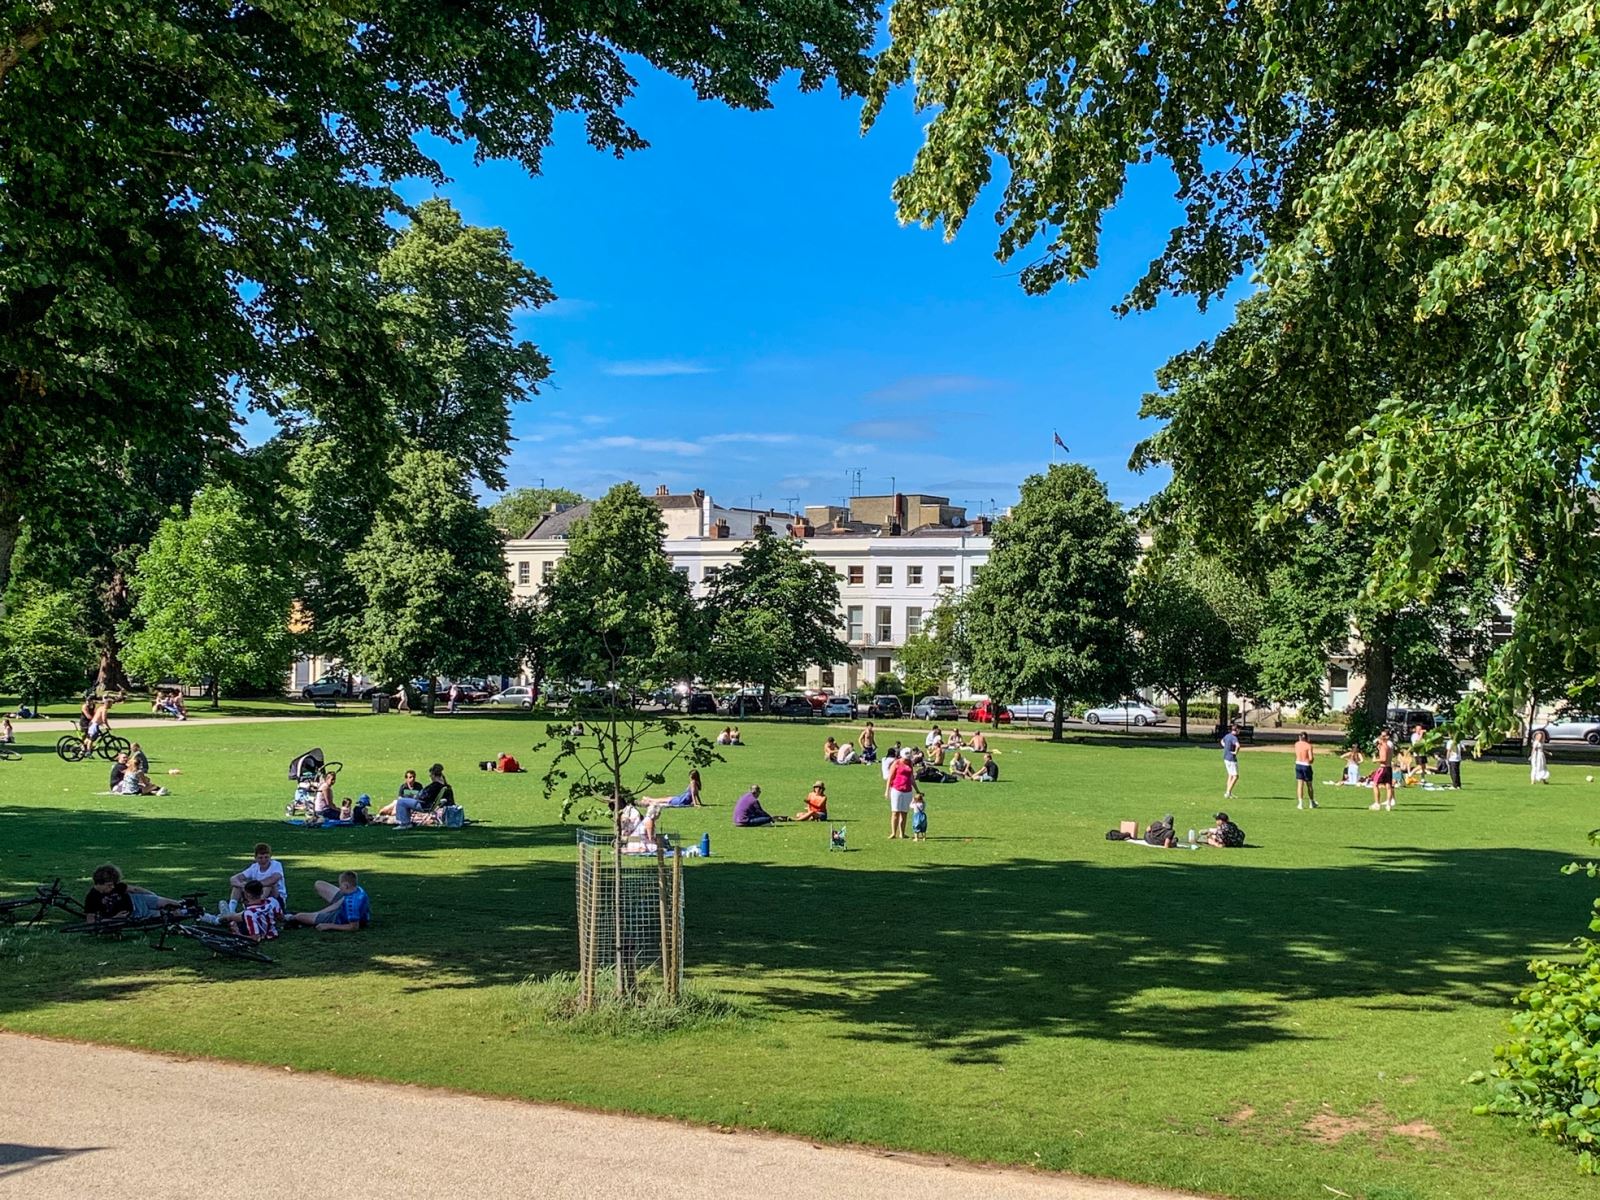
(705,845)
(1191,837)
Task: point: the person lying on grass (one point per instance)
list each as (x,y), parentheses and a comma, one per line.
(110,897)
(257,920)
(816,808)
(1161,833)
(347,908)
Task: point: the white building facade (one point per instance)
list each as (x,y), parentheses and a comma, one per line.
(891,577)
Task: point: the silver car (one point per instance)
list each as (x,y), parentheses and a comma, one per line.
(1126,712)
(1036,709)
(1575,727)
(513,697)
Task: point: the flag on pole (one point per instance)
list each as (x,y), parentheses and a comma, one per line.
(1060,443)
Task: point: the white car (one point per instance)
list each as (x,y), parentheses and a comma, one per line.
(513,697)
(1575,727)
(1035,709)
(839,706)
(1126,712)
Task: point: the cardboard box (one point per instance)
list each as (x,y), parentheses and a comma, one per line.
(1131,828)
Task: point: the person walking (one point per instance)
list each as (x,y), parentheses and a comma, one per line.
(1383,772)
(1230,758)
(899,791)
(1304,784)
(1539,757)
(1452,760)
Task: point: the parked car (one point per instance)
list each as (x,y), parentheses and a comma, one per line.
(1125,712)
(983,713)
(745,704)
(935,708)
(474,691)
(1575,727)
(700,704)
(791,705)
(839,706)
(513,697)
(1037,708)
(335,685)
(1401,721)
(885,706)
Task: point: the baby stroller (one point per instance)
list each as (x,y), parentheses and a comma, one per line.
(305,770)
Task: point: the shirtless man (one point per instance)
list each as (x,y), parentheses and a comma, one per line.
(1304,787)
(1383,773)
(99,717)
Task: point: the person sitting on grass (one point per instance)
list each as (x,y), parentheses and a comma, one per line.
(258,920)
(506,764)
(111,897)
(960,767)
(345,910)
(690,796)
(816,804)
(979,743)
(7,733)
(410,789)
(989,772)
(137,783)
(137,758)
(830,749)
(424,810)
(323,806)
(1224,835)
(119,768)
(738,738)
(265,870)
(845,755)
(639,828)
(747,810)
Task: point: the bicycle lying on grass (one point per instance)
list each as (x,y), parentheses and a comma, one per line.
(44,898)
(173,921)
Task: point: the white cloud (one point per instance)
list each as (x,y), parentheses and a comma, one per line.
(921,387)
(655,368)
(651,445)
(762,439)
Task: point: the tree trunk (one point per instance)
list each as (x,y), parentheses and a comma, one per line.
(1222,709)
(1379,663)
(1183,713)
(1059,715)
(216,691)
(111,677)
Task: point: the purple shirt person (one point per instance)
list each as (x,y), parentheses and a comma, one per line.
(747,809)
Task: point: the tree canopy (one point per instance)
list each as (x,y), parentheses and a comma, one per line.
(44,651)
(1048,615)
(519,510)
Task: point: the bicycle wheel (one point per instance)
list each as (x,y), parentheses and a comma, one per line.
(69,746)
(9,755)
(229,946)
(110,745)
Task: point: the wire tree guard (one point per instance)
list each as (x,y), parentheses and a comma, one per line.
(630,915)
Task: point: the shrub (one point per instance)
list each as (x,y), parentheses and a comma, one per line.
(1200,711)
(1548,1074)
(645,1014)
(1360,728)
(888,685)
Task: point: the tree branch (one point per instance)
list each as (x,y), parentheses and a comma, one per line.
(26,41)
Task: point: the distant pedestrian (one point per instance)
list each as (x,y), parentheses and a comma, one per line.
(455,698)
(1230,758)
(1382,772)
(1304,784)
(1539,757)
(1452,760)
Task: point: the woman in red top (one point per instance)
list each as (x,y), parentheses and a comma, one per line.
(816,804)
(902,783)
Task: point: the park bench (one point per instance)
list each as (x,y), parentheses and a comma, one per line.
(1247,733)
(325,703)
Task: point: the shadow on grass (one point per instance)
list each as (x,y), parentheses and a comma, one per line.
(1191,950)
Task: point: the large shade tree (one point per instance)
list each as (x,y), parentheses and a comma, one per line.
(45,652)
(1049,613)
(195,190)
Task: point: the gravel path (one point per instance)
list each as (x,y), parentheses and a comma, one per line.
(79,1120)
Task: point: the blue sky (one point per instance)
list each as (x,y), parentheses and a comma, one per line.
(740,310)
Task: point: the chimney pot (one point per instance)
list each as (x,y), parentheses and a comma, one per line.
(661,489)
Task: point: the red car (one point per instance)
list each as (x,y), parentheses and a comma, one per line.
(982,713)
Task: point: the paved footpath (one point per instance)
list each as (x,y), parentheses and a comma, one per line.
(80,1121)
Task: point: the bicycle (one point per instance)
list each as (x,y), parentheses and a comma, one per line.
(214,938)
(187,907)
(42,901)
(71,747)
(9,753)
(75,747)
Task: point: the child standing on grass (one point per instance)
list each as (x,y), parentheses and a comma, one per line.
(919,818)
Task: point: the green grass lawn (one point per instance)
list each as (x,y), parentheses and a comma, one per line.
(1284,1020)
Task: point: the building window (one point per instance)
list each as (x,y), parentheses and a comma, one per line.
(1338,677)
(524,572)
(885,665)
(914,576)
(972,574)
(913,622)
(853,623)
(711,574)
(825,677)
(947,577)
(547,571)
(885,624)
(885,576)
(857,575)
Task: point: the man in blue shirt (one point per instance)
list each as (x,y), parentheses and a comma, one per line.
(1230,758)
(347,907)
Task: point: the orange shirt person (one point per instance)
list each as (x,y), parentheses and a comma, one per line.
(507,765)
(816,804)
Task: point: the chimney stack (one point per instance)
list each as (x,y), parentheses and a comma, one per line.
(719,529)
(661,489)
(802,528)
(980,526)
